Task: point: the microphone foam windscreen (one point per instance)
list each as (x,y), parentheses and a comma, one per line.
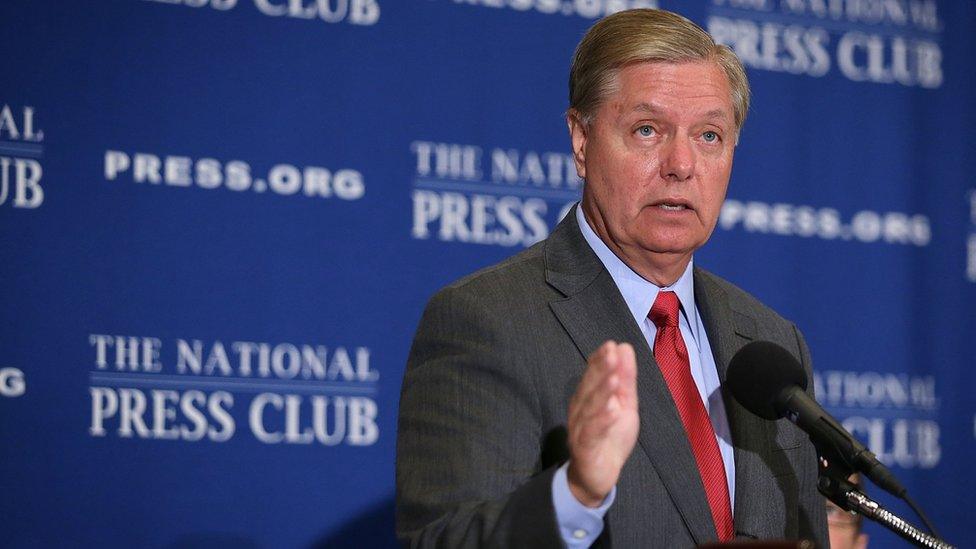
(759,373)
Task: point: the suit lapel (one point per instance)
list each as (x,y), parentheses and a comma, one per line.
(592,312)
(728,330)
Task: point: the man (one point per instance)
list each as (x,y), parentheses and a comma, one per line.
(605,341)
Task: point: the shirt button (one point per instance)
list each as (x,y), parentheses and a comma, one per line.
(579,533)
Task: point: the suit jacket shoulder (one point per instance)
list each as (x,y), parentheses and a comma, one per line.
(469,467)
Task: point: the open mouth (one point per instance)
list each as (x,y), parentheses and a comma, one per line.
(672,207)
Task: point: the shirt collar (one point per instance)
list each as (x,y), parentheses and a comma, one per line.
(638,293)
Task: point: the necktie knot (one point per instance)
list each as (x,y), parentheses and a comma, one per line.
(664,312)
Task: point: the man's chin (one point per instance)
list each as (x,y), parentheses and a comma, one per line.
(671,245)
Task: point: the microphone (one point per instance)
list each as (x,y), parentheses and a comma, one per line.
(769,382)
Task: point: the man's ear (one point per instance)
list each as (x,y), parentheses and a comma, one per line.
(577,134)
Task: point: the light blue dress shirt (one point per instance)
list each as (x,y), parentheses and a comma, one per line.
(581,525)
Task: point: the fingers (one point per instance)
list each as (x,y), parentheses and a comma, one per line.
(619,388)
(627,372)
(628,359)
(607,387)
(599,364)
(612,370)
(596,379)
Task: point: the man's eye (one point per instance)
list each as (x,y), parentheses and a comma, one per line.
(645,131)
(710,137)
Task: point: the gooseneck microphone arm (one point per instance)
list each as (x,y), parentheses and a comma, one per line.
(849,498)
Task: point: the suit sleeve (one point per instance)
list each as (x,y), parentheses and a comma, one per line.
(468,437)
(812,512)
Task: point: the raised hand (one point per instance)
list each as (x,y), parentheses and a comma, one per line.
(603,422)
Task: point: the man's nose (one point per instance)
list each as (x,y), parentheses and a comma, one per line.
(678,159)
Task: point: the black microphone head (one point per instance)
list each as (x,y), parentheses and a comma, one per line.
(760,373)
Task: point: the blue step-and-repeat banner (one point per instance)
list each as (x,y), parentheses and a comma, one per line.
(220,221)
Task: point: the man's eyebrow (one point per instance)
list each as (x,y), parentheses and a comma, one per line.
(717,113)
(714,114)
(646,107)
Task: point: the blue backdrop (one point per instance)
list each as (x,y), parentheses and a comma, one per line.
(220,221)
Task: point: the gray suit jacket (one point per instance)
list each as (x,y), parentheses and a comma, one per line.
(495,360)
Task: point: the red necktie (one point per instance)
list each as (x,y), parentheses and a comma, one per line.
(672,357)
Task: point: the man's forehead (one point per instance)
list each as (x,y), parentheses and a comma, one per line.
(697,88)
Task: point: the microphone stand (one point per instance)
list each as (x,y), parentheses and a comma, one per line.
(836,488)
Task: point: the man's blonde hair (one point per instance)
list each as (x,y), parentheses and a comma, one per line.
(643,35)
